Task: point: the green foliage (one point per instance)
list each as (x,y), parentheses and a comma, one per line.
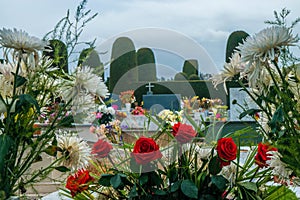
(57,51)
(69,31)
(234,39)
(123,68)
(190,67)
(146,65)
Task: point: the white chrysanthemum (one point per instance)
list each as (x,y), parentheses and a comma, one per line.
(111,110)
(229,172)
(20,40)
(280,169)
(90,82)
(74,152)
(266,44)
(6,80)
(231,69)
(82,103)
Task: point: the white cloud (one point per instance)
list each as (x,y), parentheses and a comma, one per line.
(207,22)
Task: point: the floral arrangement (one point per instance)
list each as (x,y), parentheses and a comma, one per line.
(29,83)
(169,118)
(268,72)
(138,110)
(106,124)
(127,96)
(190,104)
(52,111)
(184,169)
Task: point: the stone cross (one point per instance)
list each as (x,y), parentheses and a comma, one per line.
(149,86)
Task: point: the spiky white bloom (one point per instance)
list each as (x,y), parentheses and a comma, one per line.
(74,152)
(86,80)
(229,172)
(20,40)
(279,168)
(231,69)
(82,103)
(266,44)
(6,80)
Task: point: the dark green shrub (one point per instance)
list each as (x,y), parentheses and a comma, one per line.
(146,65)
(190,67)
(123,63)
(234,39)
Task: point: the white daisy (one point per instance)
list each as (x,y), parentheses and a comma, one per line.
(20,40)
(74,152)
(266,44)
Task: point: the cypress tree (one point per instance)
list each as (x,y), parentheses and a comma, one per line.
(190,67)
(146,65)
(123,63)
(234,39)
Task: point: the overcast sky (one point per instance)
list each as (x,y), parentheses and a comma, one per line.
(204,23)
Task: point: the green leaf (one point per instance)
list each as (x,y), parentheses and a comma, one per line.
(143,179)
(20,81)
(25,102)
(105,180)
(250,112)
(189,189)
(6,144)
(214,166)
(220,182)
(51,150)
(160,192)
(175,186)
(62,169)
(116,181)
(249,186)
(155,178)
(133,192)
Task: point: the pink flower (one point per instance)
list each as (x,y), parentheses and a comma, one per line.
(115,106)
(92,129)
(98,115)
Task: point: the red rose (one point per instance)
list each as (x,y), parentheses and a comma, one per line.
(226,149)
(145,150)
(79,182)
(262,156)
(183,133)
(101,148)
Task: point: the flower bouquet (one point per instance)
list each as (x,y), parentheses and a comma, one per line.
(28,84)
(269,73)
(184,169)
(127,97)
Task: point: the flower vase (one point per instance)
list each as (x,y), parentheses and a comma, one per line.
(128,107)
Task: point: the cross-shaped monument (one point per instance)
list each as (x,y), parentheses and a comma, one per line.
(149,86)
